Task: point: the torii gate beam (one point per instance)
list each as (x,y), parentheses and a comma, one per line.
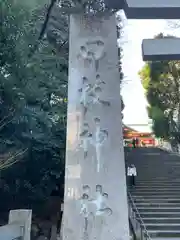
(153,49)
(147,9)
(161,49)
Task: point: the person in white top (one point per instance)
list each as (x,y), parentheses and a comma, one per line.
(132,173)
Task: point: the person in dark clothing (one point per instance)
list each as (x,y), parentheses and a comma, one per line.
(56,202)
(137,142)
(134,142)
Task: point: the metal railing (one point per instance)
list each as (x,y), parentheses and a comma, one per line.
(138,225)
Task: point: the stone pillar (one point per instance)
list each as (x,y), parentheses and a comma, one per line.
(95,204)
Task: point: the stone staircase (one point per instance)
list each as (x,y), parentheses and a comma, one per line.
(157,191)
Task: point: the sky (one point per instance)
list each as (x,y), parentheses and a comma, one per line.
(132,91)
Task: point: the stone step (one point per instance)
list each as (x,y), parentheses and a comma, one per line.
(173,164)
(160,220)
(144,187)
(155,192)
(146,175)
(161,175)
(152,193)
(167,179)
(157,200)
(152,164)
(141,178)
(156,189)
(165,197)
(155,181)
(165,238)
(149,157)
(170,177)
(165,170)
(159,178)
(159,209)
(159,214)
(167,205)
(165,161)
(157,185)
(149,169)
(154,160)
(163,226)
(164,233)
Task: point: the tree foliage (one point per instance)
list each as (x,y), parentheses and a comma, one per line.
(33,99)
(161,82)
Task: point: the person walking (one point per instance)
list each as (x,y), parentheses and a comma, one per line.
(137,142)
(132,173)
(134,142)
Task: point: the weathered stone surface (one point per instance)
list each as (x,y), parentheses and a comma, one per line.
(10,231)
(19,225)
(95,205)
(24,216)
(161,49)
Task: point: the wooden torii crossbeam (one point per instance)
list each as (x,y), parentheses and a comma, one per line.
(147,9)
(153,49)
(161,49)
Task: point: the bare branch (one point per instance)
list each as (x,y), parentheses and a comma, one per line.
(44,26)
(2,120)
(12,159)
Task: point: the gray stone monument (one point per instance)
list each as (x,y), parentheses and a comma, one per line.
(18,227)
(95,204)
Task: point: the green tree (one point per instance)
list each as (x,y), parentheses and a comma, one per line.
(162,87)
(33,93)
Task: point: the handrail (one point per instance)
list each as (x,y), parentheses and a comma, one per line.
(141,220)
